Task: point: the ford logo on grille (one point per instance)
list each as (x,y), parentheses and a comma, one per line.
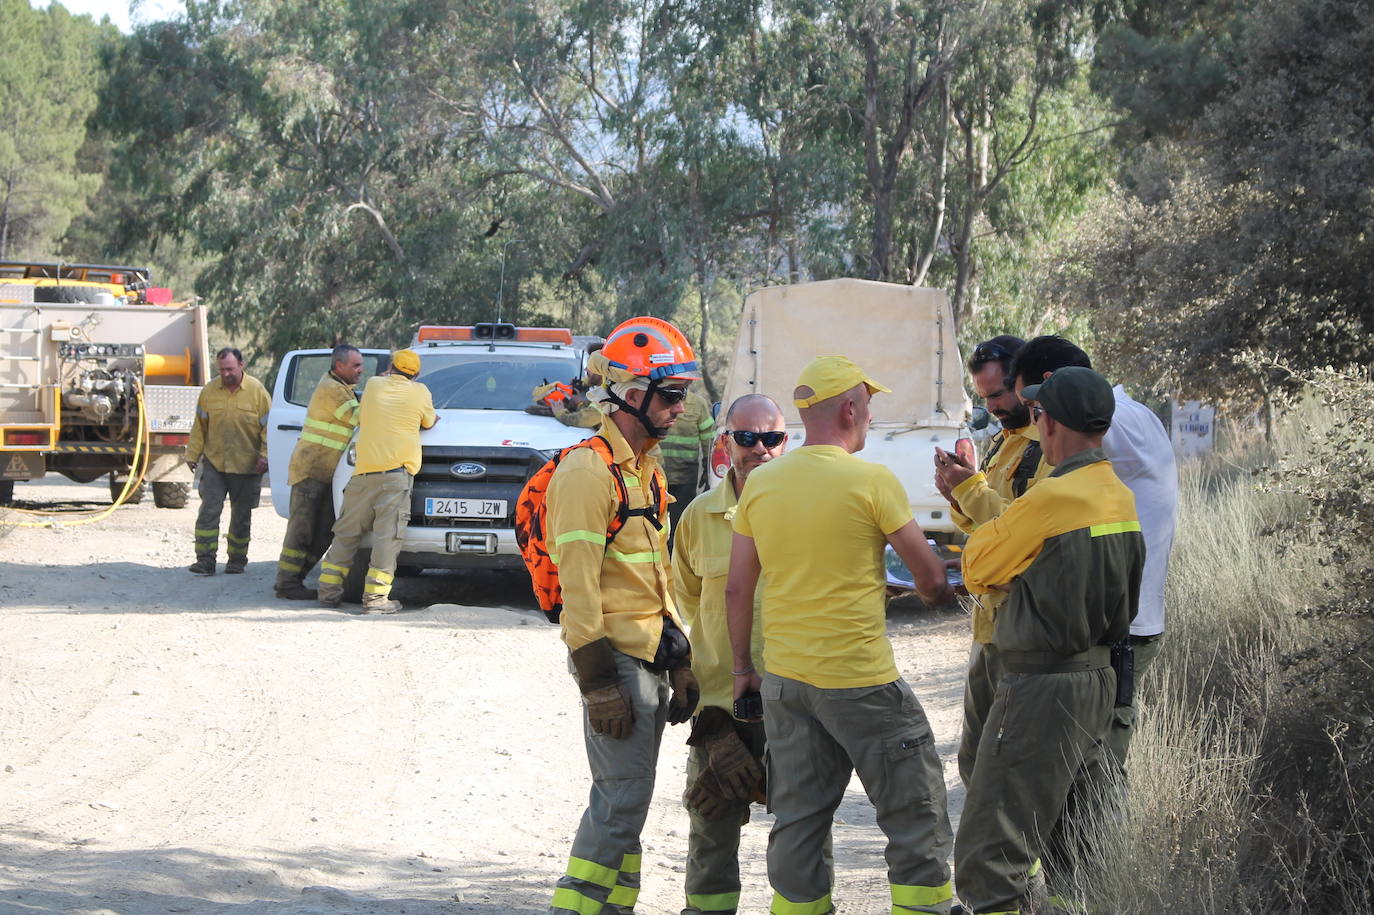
(468,470)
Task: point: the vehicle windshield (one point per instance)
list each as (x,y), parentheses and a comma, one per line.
(486,381)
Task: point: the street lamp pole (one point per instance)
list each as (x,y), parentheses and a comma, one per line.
(501,289)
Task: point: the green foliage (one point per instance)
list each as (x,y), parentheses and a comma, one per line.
(1255,233)
(47,90)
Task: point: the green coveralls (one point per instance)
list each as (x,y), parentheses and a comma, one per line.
(1072,552)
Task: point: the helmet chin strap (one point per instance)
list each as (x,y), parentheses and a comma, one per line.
(642,413)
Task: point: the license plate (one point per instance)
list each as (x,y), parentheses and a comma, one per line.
(465,508)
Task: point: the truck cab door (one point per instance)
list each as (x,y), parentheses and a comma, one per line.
(300,373)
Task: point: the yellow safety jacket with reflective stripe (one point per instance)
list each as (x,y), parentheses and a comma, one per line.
(329,424)
(230,430)
(701,564)
(688,444)
(1071,553)
(985,495)
(621,591)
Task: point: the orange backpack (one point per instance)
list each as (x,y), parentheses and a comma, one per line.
(531,511)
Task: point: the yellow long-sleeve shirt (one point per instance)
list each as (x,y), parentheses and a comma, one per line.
(329,424)
(1072,554)
(621,591)
(230,430)
(988,493)
(701,563)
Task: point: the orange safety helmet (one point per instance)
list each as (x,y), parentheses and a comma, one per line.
(645,348)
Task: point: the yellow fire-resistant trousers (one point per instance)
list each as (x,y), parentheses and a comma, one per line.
(376,502)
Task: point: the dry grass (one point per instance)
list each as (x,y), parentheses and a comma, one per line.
(1218,818)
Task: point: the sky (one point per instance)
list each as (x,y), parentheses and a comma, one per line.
(119,10)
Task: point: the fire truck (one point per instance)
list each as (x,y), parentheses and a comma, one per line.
(99,375)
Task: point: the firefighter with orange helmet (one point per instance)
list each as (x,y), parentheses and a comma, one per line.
(628,651)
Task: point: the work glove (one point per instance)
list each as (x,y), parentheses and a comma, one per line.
(686,693)
(608,702)
(706,797)
(737,771)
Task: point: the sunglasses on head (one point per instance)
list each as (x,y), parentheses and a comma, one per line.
(671,395)
(990,352)
(748,439)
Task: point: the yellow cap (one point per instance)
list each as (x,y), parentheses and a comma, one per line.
(827,376)
(406,362)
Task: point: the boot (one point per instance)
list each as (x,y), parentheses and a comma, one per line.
(380,603)
(296,592)
(236,565)
(204,565)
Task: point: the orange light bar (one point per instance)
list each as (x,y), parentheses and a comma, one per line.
(544,335)
(441,332)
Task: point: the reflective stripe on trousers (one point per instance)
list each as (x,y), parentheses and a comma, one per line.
(604,864)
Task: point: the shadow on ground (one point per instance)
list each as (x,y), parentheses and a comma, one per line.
(81,879)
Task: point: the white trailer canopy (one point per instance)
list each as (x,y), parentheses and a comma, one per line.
(902,336)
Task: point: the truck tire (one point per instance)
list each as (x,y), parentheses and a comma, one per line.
(171,495)
(6,492)
(117,487)
(357,573)
(409,571)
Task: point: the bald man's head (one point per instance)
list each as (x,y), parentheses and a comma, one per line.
(842,419)
(752,405)
(758,420)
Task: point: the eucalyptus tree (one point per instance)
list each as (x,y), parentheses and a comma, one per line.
(48,81)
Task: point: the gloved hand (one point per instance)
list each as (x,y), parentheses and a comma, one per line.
(609,711)
(608,702)
(736,769)
(686,694)
(706,797)
(737,772)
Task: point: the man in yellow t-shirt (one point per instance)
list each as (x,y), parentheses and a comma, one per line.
(814,523)
(724,770)
(394,409)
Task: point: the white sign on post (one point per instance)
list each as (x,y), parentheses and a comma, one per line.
(1193,427)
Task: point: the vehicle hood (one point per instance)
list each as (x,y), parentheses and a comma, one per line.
(495,428)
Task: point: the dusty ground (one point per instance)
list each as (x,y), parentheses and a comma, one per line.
(170,743)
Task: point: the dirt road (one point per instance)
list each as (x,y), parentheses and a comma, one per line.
(170,743)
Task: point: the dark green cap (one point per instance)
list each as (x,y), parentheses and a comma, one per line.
(1077,397)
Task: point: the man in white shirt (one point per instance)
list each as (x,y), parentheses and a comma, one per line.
(1143,458)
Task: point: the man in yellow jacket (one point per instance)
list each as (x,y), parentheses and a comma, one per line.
(395,407)
(1013,464)
(627,649)
(1069,554)
(229,444)
(724,767)
(329,423)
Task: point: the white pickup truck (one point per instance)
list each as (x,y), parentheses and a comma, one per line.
(903,336)
(476,459)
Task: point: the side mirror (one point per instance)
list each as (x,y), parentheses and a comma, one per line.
(979,419)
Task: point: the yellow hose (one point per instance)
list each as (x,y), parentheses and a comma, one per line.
(142,449)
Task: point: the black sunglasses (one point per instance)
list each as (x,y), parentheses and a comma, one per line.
(671,395)
(990,352)
(748,439)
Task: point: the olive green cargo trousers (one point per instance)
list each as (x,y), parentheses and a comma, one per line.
(816,739)
(1043,735)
